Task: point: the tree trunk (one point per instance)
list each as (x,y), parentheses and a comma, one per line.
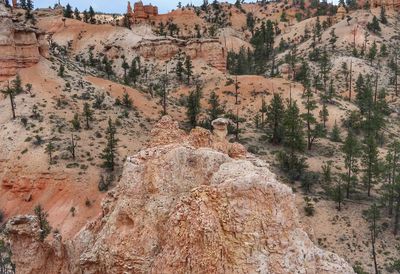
(397,216)
(351,78)
(12,105)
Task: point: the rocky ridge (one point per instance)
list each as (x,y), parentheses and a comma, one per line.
(188,203)
(21,45)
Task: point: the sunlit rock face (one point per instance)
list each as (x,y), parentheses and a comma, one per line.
(21,45)
(189,203)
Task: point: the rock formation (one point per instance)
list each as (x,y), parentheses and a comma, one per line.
(211,50)
(187,204)
(20,44)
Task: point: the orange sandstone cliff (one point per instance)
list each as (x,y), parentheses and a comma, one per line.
(20,44)
(186,204)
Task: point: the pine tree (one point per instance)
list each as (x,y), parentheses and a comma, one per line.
(77,14)
(29,5)
(335,134)
(127,101)
(10,93)
(337,193)
(44,226)
(352,151)
(61,70)
(370,163)
(275,118)
(333,38)
(17,84)
(108,67)
(68,11)
(293,129)
(374,25)
(193,106)
(85,16)
(72,147)
(323,115)
(250,22)
(92,15)
(49,150)
(372,52)
(179,70)
(383,15)
(134,71)
(391,175)
(22,4)
(314,130)
(110,151)
(76,124)
(125,67)
(88,114)
(215,110)
(372,216)
(188,69)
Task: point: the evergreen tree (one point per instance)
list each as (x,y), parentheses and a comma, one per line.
(352,151)
(275,117)
(127,101)
(335,134)
(72,147)
(333,38)
(86,16)
(383,15)
(374,25)
(370,163)
(77,14)
(372,52)
(397,207)
(17,84)
(179,70)
(193,106)
(293,129)
(391,172)
(337,193)
(44,226)
(110,151)
(125,67)
(314,130)
(61,70)
(372,216)
(22,4)
(10,93)
(29,5)
(50,148)
(323,115)
(134,71)
(250,22)
(188,69)
(88,114)
(108,67)
(92,15)
(68,11)
(215,110)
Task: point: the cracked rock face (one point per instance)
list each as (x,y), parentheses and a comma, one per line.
(189,207)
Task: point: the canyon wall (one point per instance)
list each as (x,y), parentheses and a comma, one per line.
(210,50)
(187,204)
(20,45)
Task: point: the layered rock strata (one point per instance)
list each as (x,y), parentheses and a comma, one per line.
(21,45)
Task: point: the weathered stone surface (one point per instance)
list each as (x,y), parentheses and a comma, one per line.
(20,45)
(184,207)
(210,50)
